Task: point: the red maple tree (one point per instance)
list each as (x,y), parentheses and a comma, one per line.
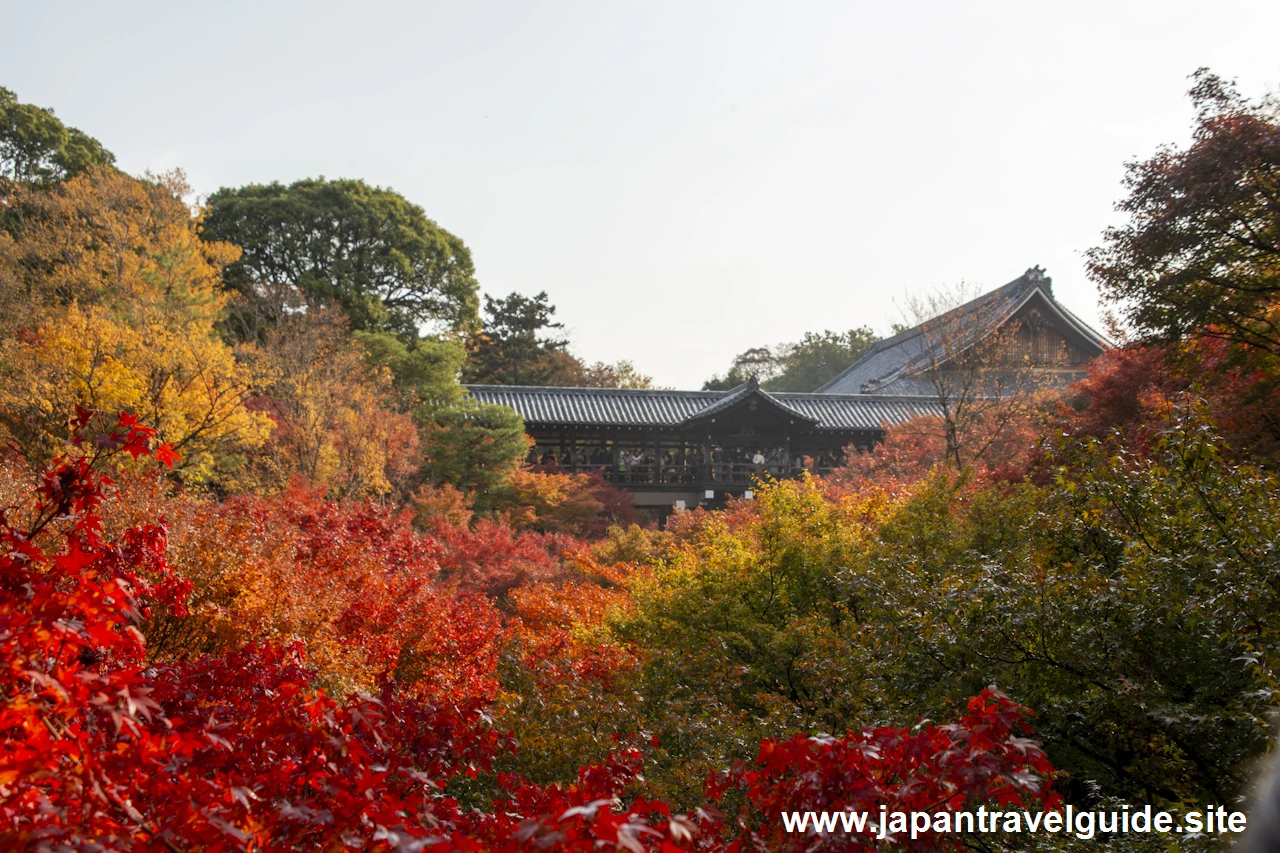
(100,750)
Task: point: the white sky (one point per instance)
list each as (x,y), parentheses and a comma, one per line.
(685,179)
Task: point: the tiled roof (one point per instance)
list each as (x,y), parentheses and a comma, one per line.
(596,406)
(729,398)
(858,411)
(889,367)
(626,407)
(741,395)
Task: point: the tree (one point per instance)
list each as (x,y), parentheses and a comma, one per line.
(569,686)
(474,447)
(493,558)
(583,505)
(338,420)
(621,374)
(740,629)
(1086,596)
(104,743)
(1004,440)
(366,249)
(105,238)
(815,358)
(515,345)
(967,362)
(1200,255)
(379,609)
(425,369)
(761,362)
(1196,270)
(110,299)
(37,148)
(103,749)
(931,768)
(1128,388)
(800,366)
(463,444)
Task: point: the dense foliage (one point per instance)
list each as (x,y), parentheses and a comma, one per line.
(287,587)
(108,298)
(1199,254)
(367,249)
(37,148)
(106,749)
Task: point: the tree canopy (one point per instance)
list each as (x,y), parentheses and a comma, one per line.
(800,366)
(364,248)
(37,148)
(518,346)
(109,297)
(474,446)
(1200,254)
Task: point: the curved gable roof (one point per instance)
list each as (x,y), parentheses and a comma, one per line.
(894,360)
(742,395)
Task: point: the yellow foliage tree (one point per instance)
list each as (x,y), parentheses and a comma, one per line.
(336,422)
(108,299)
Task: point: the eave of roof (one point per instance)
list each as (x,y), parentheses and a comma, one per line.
(613,407)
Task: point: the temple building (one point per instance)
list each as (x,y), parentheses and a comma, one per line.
(672,449)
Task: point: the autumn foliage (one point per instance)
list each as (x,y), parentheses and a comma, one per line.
(109,299)
(239,751)
(269,584)
(930,769)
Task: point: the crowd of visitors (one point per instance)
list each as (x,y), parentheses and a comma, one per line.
(630,465)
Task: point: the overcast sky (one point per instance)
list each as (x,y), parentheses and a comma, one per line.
(686,180)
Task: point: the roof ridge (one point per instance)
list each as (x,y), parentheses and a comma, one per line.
(1031,280)
(548,388)
(884,398)
(607,408)
(1028,284)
